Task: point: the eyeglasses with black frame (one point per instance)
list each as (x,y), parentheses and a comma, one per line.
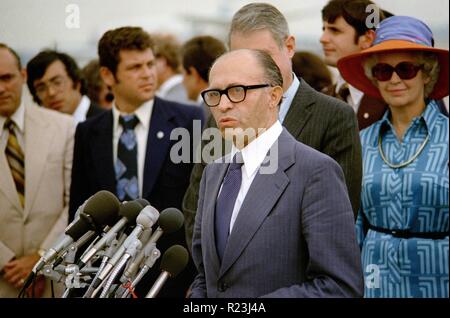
(405,70)
(235,94)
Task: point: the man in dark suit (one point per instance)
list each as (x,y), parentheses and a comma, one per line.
(274,218)
(55,82)
(320,121)
(134,161)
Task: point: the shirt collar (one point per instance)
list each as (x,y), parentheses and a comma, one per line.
(143,113)
(288,96)
(81,111)
(255,152)
(168,84)
(18,118)
(428,117)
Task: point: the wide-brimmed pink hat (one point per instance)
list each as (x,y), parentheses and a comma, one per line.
(396,34)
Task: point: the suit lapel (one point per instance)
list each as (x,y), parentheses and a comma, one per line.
(211,192)
(101,150)
(299,110)
(256,207)
(38,138)
(158,144)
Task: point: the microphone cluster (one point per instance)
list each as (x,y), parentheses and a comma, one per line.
(121,249)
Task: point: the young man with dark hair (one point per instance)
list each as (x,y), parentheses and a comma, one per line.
(127,150)
(348,28)
(55,82)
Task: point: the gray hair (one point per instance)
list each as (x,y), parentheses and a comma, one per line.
(260,16)
(430,68)
(272,73)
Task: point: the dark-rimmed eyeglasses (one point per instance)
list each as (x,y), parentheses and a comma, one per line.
(405,70)
(235,94)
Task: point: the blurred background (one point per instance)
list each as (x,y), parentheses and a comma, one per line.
(30,26)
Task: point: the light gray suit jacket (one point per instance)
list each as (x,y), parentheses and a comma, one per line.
(294,235)
(48,163)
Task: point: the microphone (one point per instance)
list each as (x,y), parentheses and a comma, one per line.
(170,220)
(173,262)
(142,202)
(100,209)
(146,218)
(129,212)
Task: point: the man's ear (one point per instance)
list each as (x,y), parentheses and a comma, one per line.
(276,96)
(23,73)
(107,76)
(365,41)
(290,45)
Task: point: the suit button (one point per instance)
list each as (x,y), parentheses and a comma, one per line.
(366,115)
(222,287)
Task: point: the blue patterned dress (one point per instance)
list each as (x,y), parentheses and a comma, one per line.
(414,198)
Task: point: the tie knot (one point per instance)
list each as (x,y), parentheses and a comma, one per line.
(344,92)
(128,122)
(9,124)
(237,161)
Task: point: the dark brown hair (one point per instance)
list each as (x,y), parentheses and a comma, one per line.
(200,52)
(124,38)
(353,12)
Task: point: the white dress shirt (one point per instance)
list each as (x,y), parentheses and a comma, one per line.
(354,99)
(19,120)
(143,113)
(253,155)
(81,112)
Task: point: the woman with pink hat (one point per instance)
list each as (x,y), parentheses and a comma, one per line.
(403,224)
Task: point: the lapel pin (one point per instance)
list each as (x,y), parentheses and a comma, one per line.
(160,135)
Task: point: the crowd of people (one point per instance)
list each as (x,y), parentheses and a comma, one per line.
(357,202)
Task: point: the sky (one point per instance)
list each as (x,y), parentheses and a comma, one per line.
(74,26)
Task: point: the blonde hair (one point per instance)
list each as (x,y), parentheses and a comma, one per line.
(429,60)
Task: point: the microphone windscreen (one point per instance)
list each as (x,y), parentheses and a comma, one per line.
(77,229)
(171,220)
(142,202)
(174,260)
(147,217)
(103,208)
(130,210)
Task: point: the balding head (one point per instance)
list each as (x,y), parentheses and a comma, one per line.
(253,83)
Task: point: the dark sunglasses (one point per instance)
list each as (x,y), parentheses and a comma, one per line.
(405,70)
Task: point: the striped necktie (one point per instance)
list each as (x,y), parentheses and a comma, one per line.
(15,158)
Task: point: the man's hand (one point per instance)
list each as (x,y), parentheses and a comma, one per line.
(18,269)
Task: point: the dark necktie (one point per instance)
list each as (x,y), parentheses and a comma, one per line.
(126,163)
(15,158)
(225,202)
(343,93)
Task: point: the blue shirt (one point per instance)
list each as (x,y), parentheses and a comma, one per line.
(415,198)
(288,96)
